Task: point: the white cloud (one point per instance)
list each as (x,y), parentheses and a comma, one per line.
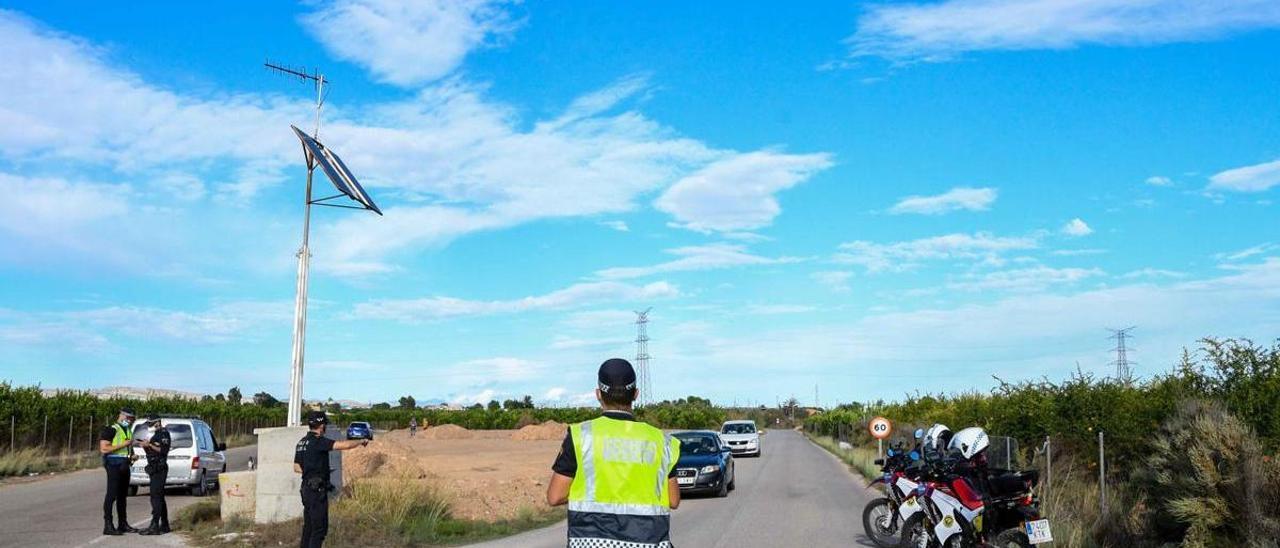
(553,394)
(836,280)
(1078,252)
(564,342)
(939,31)
(1255,178)
(97,328)
(409,310)
(904,255)
(482,397)
(407,43)
(1159,180)
(1025,279)
(620,226)
(966,198)
(592,319)
(1076,227)
(1252,251)
(506,369)
(1152,273)
(693,258)
(738,192)
(776,309)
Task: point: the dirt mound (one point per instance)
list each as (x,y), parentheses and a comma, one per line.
(550,430)
(446,432)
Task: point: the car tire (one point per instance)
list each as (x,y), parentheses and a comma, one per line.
(724,490)
(733,481)
(133,490)
(200,489)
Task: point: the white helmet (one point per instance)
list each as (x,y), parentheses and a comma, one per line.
(970,441)
(936,437)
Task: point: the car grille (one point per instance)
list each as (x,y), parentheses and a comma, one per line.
(686,472)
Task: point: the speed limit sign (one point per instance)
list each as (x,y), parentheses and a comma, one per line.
(880,428)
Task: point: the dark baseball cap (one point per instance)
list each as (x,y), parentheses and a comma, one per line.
(316,418)
(128,412)
(153,418)
(617,374)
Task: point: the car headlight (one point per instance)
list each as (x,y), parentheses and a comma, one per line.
(710,469)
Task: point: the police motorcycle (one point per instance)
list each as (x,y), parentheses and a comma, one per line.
(880,517)
(901,470)
(965,504)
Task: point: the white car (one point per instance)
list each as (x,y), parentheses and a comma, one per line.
(742,436)
(195,457)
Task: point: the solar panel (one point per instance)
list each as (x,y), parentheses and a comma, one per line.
(339,175)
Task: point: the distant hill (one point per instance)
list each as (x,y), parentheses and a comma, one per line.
(129,392)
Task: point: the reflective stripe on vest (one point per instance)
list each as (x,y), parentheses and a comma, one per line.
(619,495)
(122,435)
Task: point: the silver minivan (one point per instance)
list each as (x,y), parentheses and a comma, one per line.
(195,457)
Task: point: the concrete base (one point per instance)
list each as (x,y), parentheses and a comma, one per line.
(239,494)
(278,490)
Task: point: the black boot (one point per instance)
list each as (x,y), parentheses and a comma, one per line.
(126,528)
(109,529)
(164,527)
(153,529)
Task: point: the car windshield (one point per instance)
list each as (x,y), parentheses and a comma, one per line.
(739,428)
(697,444)
(179,434)
(359,425)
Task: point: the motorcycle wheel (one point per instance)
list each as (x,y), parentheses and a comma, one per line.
(1011,538)
(915,534)
(879,521)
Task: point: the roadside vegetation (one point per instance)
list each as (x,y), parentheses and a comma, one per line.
(1190,455)
(393,512)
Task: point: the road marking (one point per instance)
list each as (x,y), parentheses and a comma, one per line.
(105,537)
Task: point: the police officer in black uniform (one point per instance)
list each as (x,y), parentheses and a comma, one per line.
(157,450)
(311,459)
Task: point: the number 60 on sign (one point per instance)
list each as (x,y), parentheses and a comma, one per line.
(880,428)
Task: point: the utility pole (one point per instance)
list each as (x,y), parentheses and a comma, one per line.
(642,356)
(1124,371)
(817,403)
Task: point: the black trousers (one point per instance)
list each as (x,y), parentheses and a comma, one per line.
(159,508)
(117,489)
(315,517)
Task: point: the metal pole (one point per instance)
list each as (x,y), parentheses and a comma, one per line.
(1102,471)
(91,432)
(880,448)
(1008,453)
(1048,464)
(44,436)
(13,424)
(300,312)
(71,426)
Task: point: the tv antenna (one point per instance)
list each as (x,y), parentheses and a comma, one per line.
(301,73)
(317,155)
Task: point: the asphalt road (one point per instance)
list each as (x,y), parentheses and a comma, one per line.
(66,511)
(796,494)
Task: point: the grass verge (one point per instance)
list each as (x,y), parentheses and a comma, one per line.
(33,461)
(860,459)
(393,512)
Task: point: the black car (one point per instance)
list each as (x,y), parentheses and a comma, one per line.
(705,465)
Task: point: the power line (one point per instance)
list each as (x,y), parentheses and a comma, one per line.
(642,356)
(1124,371)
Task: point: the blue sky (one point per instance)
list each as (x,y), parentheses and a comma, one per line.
(873,198)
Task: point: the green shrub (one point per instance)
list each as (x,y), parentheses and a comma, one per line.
(1206,481)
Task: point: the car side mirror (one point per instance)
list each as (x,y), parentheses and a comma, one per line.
(222,446)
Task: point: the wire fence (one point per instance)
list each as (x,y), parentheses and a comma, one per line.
(60,435)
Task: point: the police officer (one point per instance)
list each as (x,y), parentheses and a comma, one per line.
(116,443)
(311,459)
(616,474)
(157,450)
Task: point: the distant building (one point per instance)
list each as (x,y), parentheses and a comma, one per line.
(128,392)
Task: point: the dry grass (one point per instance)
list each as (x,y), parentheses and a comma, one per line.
(35,461)
(860,459)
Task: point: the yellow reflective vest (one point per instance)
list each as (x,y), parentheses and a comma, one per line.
(122,435)
(619,496)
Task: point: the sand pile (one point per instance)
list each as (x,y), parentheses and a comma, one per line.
(384,456)
(550,430)
(446,432)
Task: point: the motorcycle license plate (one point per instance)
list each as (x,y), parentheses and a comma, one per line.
(685,481)
(1038,531)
